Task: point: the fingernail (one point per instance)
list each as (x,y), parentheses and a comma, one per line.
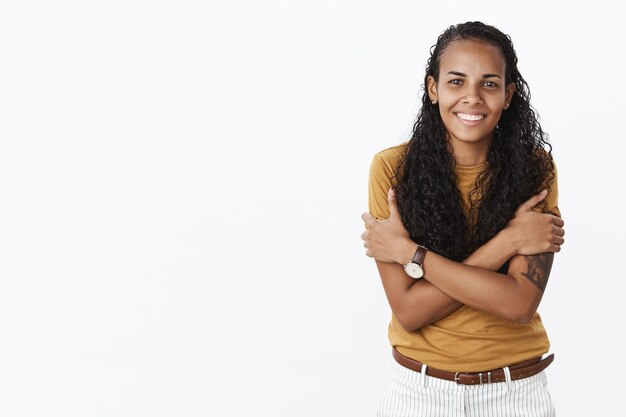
(543,191)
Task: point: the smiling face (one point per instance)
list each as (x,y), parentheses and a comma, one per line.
(471,95)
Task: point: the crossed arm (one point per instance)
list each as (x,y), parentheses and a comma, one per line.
(529,241)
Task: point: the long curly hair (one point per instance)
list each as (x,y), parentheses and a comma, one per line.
(519,162)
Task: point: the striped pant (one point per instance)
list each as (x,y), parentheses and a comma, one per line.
(412,394)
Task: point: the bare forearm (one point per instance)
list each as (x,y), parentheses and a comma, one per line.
(514,296)
(426,304)
(493,254)
(529,241)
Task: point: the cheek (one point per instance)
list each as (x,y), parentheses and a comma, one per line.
(445,109)
(449,99)
(497,101)
(443,113)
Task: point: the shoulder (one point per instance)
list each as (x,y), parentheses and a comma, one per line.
(382,172)
(388,160)
(551,202)
(552,199)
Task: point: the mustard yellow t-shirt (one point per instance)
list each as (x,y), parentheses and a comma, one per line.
(468,340)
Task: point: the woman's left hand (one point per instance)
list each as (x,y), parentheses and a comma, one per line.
(387,240)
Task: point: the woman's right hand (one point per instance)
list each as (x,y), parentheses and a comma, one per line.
(533,233)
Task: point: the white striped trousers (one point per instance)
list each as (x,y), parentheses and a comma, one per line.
(411,395)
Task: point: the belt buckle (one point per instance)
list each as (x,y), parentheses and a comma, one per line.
(480,378)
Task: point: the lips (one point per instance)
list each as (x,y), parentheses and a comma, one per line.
(470,119)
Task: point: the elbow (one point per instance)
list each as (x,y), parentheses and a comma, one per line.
(409,323)
(522,314)
(525,318)
(408,326)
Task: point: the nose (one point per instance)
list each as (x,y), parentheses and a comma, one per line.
(472,97)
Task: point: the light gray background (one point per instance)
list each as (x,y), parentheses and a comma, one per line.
(181,187)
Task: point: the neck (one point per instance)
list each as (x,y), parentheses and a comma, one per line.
(465,153)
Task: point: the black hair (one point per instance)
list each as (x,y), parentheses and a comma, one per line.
(519,162)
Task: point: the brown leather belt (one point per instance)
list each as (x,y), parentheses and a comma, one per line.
(518,371)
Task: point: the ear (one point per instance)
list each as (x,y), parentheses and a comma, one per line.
(508,95)
(431,87)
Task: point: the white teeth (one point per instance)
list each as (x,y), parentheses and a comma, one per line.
(470,117)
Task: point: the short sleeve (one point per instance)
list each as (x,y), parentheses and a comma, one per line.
(552,199)
(379,184)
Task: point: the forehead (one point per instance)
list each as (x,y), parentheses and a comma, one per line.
(472,57)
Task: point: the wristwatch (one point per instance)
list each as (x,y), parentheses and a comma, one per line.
(414,269)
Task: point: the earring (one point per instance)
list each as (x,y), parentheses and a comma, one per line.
(507,106)
(433,102)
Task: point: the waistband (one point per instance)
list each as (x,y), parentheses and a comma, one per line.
(517,371)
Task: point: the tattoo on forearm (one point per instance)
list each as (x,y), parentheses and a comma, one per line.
(539,267)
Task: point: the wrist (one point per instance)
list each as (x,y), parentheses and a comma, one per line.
(405,255)
(508,241)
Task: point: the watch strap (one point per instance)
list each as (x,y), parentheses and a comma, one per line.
(420,254)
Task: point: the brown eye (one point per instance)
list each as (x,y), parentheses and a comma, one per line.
(456,82)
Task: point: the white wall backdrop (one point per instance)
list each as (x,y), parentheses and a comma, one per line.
(181,185)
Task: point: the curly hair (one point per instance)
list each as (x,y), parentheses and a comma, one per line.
(519,162)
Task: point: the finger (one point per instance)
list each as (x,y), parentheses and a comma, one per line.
(393,208)
(364,235)
(532,201)
(558,240)
(559,231)
(554,248)
(558,221)
(368,218)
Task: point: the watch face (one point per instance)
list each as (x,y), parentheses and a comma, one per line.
(414,270)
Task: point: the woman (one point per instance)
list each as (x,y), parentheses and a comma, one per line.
(467,248)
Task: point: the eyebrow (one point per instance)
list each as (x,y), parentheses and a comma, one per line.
(460,74)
